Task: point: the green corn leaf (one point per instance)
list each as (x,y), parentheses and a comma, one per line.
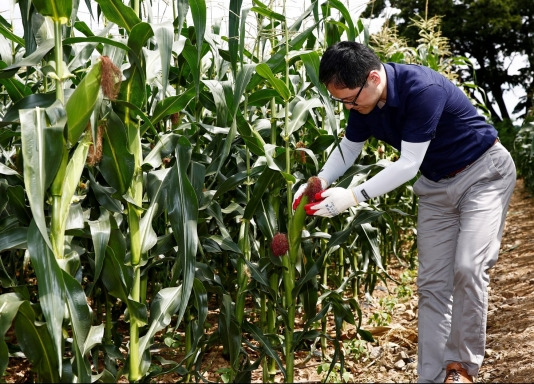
(104,195)
(219,244)
(266,345)
(137,313)
(42,100)
(226,147)
(235,180)
(263,97)
(277,62)
(100,234)
(371,236)
(3,192)
(183,8)
(311,10)
(137,40)
(217,91)
(157,193)
(183,213)
(233,32)
(4,31)
(200,296)
(37,345)
(261,185)
(300,114)
(164,147)
(229,331)
(80,316)
(70,182)
(363,28)
(59,10)
(41,146)
(359,170)
(264,71)
(11,238)
(214,210)
(311,62)
(133,89)
(199,15)
(163,307)
(164,35)
(17,203)
(190,54)
(81,103)
(115,276)
(51,287)
(96,39)
(364,216)
(266,218)
(32,60)
(9,304)
(241,82)
(15,88)
(307,335)
(7,134)
(273,156)
(311,273)
(351,33)
(118,13)
(170,105)
(263,10)
(197,176)
(260,277)
(117,165)
(94,338)
(310,298)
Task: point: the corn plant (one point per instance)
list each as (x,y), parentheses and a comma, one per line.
(523,153)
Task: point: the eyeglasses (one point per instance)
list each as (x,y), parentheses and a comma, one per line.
(353,102)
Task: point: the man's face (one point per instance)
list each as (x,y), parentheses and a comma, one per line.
(362,99)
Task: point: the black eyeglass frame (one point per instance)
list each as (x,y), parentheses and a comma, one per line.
(353,102)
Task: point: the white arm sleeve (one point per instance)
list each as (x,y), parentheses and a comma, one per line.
(338,163)
(396,174)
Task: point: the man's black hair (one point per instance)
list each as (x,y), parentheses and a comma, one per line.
(347,64)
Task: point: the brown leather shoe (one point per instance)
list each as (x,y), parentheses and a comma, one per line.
(457,374)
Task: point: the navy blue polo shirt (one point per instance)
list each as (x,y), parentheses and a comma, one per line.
(424,105)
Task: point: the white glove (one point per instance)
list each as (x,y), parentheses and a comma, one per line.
(335,200)
(300,192)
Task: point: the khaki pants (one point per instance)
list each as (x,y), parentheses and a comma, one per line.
(460,226)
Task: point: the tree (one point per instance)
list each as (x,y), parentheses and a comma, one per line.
(489,32)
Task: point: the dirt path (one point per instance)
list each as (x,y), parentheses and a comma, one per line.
(510,341)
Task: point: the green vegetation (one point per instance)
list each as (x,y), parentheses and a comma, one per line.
(144,172)
(523,153)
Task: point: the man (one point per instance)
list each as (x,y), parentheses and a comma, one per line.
(467,179)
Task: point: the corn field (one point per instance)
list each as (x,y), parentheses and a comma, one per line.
(145,169)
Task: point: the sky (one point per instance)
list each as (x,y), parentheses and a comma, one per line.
(218,11)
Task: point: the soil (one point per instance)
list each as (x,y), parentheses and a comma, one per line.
(392,358)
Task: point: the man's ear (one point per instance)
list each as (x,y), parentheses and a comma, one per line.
(374,77)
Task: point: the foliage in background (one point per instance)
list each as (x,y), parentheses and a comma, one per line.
(523,152)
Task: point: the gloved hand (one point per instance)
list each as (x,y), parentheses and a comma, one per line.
(334,201)
(300,192)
